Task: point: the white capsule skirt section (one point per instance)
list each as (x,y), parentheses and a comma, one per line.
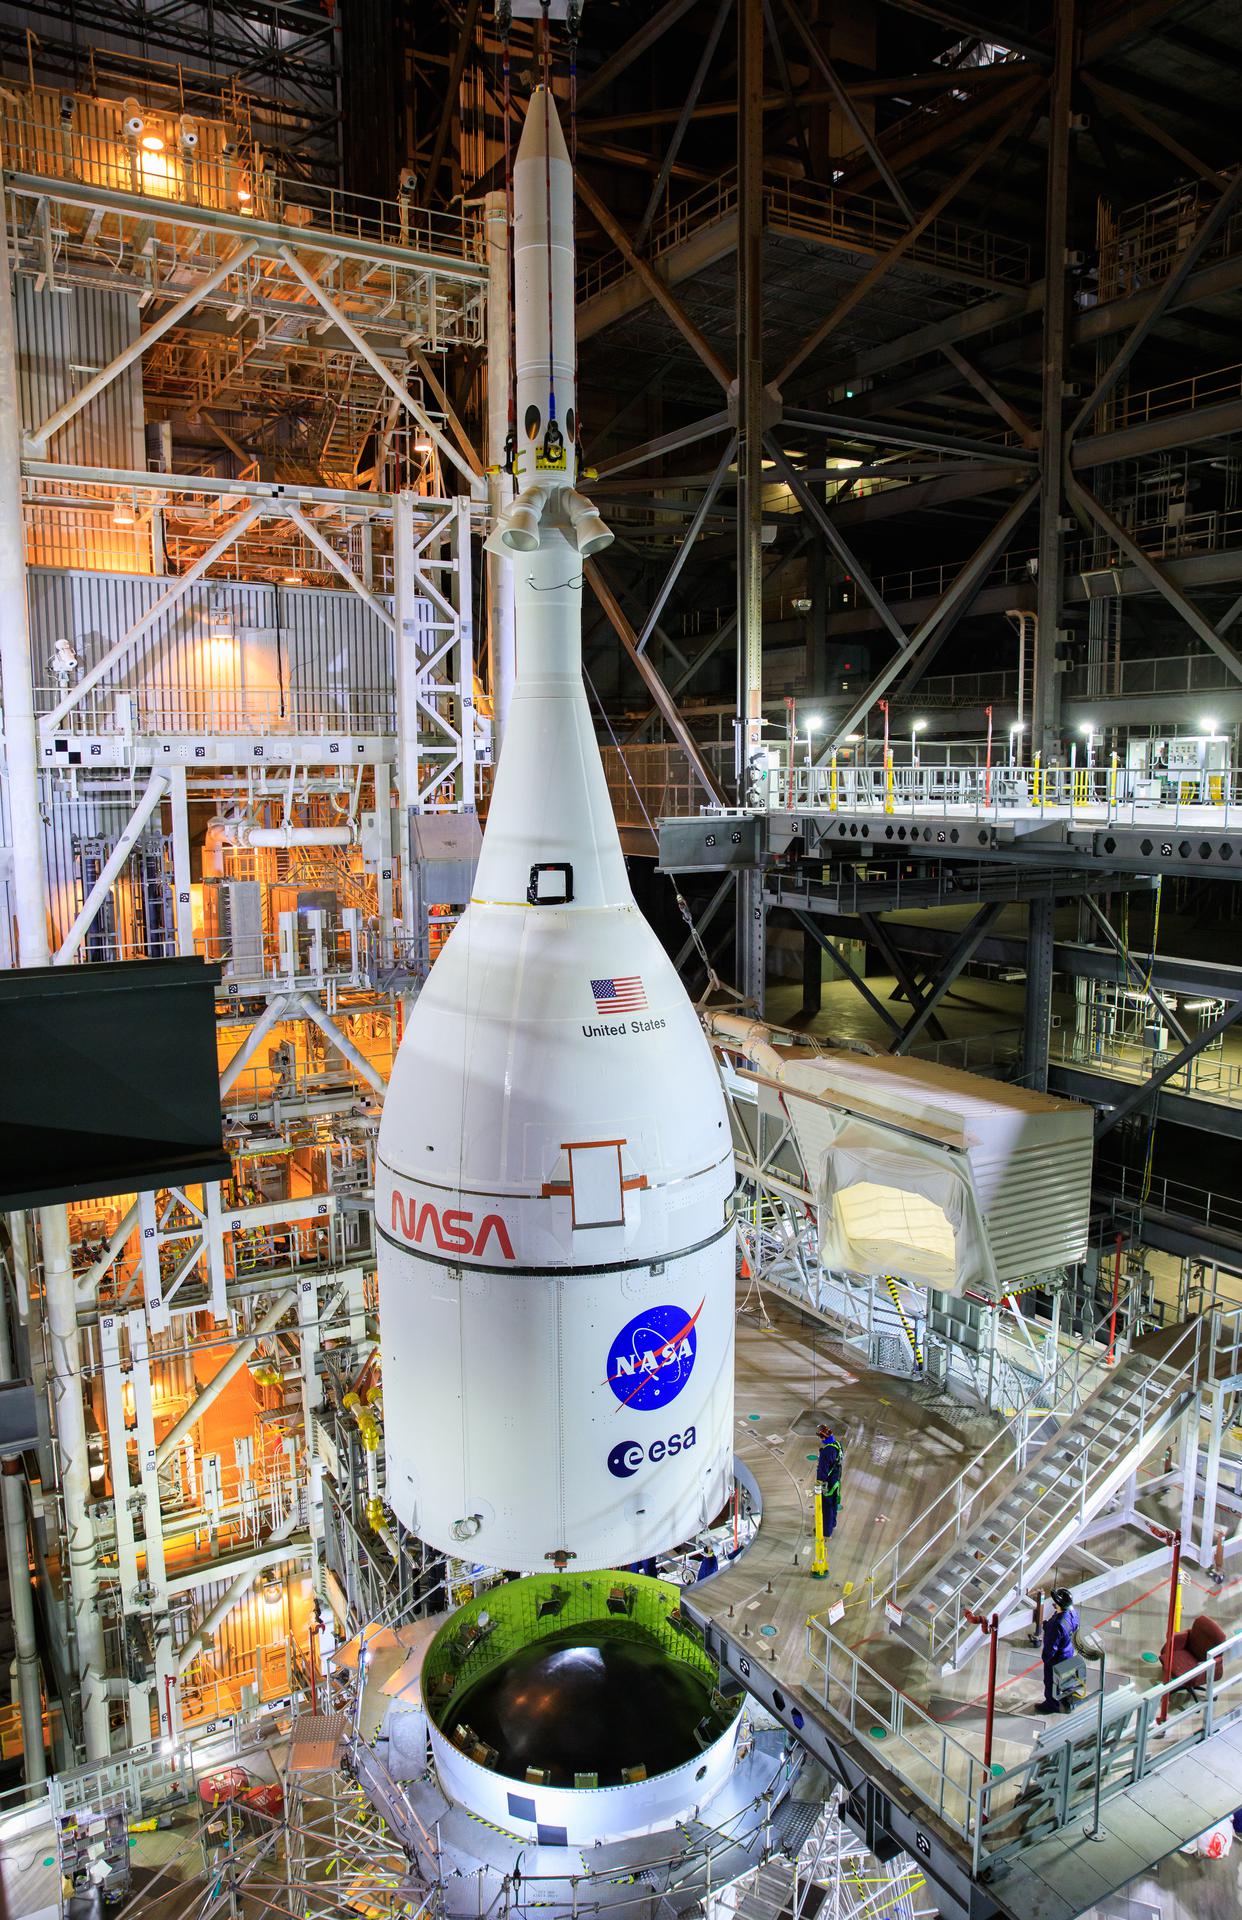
(556,1259)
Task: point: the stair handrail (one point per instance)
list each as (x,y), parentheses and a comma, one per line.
(984,1602)
(1014,1439)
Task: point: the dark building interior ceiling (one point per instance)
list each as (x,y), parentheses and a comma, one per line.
(917,163)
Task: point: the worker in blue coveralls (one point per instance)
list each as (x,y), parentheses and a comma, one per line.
(828,1478)
(1059,1630)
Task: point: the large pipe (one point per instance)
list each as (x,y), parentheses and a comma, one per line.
(157,786)
(21,1599)
(229,1371)
(61,1306)
(293,836)
(751,1037)
(202,1637)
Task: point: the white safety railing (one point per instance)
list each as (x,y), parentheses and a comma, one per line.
(942,1770)
(1001,1812)
(216,711)
(1208,1075)
(1099,795)
(1069,1491)
(948,1518)
(1135,1735)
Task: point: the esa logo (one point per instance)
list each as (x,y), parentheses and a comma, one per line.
(628,1455)
(652,1357)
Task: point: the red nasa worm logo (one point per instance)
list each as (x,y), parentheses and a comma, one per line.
(452,1231)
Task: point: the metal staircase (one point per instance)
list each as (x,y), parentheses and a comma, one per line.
(1001,1551)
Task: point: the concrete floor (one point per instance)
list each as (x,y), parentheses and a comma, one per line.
(900,1449)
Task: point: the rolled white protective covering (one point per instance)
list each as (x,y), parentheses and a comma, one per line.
(555,1176)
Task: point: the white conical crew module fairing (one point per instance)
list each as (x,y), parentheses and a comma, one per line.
(555,1180)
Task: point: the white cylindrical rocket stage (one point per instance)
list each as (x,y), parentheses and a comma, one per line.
(555,1178)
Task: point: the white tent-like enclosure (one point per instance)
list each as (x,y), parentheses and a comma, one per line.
(935,1176)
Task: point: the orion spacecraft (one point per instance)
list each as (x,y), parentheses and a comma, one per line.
(555,1179)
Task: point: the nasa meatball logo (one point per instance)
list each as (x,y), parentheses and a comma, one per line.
(628,1456)
(652,1357)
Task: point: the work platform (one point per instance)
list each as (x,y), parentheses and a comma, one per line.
(907,1743)
(1155,838)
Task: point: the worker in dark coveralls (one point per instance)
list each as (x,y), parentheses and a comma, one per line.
(828,1478)
(1059,1630)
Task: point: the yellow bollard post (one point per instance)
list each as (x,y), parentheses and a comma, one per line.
(1112,782)
(888,783)
(832,786)
(1177,1605)
(819,1559)
(1036,789)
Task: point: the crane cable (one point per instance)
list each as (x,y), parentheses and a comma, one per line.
(510,459)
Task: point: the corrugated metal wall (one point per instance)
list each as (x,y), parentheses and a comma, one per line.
(64,334)
(245,656)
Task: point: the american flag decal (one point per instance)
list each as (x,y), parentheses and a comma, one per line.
(624,995)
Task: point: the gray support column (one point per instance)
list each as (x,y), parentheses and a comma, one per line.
(182,905)
(21,743)
(1037,1031)
(812,974)
(751,938)
(1046,693)
(21,750)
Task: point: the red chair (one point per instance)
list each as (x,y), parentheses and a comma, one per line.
(1191,1649)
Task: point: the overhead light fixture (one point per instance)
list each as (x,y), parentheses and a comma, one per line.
(1087,727)
(152,143)
(813,722)
(123,514)
(1209,726)
(243,194)
(293,579)
(917,726)
(424,445)
(271,1590)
